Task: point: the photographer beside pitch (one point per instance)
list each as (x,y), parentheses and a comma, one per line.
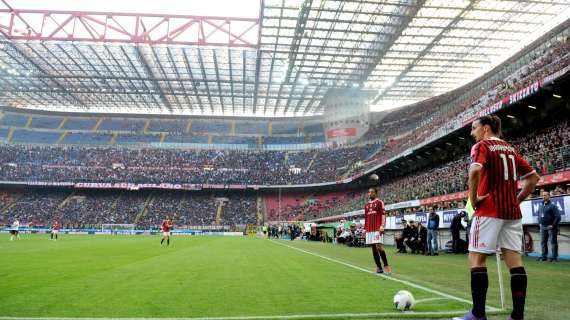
(497,223)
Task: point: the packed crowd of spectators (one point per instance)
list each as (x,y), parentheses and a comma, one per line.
(239,209)
(91,209)
(547,150)
(430,118)
(435,117)
(81,164)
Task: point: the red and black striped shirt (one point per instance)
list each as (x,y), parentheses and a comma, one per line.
(373,213)
(166,225)
(502,165)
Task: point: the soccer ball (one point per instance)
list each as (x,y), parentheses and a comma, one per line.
(404,300)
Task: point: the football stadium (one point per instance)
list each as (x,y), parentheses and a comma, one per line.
(284,159)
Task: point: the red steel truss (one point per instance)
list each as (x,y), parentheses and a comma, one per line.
(128,28)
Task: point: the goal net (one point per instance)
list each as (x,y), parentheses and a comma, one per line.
(118,227)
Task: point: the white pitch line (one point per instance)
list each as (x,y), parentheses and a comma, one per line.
(430,299)
(292,316)
(417,286)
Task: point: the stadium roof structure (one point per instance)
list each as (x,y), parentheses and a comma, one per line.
(280,63)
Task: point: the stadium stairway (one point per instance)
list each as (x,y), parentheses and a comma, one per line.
(312,161)
(188,126)
(146,125)
(60,127)
(4,210)
(260,212)
(27,126)
(61,138)
(58,212)
(66,200)
(98,124)
(114,138)
(219,212)
(10,135)
(114,205)
(140,217)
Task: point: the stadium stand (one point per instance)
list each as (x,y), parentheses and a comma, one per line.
(4,133)
(172,126)
(211,126)
(313,127)
(30,136)
(74,123)
(283,140)
(87,138)
(34,206)
(320,138)
(234,140)
(14,120)
(132,125)
(548,150)
(548,58)
(252,127)
(282,127)
(46,122)
(185,138)
(136,138)
(91,208)
(239,209)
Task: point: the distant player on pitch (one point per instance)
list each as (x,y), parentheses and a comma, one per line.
(15,231)
(54,230)
(166,227)
(374,222)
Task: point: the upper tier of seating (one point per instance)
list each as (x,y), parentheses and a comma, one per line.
(39,128)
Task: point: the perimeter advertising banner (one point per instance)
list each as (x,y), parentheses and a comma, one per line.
(529,210)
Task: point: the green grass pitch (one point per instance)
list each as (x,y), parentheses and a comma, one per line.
(252,278)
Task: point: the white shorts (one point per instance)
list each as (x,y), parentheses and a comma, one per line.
(489,234)
(166,233)
(374,237)
(55,231)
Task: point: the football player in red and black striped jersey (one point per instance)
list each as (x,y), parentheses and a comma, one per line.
(166,227)
(374,222)
(497,224)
